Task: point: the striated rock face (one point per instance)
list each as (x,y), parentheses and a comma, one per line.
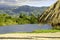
(52,14)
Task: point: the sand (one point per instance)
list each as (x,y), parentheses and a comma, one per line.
(30,36)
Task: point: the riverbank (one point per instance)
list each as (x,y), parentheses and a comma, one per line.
(31,36)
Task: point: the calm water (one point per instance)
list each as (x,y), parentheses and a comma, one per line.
(23,28)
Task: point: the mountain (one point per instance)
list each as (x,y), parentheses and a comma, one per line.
(29,9)
(19,9)
(52,14)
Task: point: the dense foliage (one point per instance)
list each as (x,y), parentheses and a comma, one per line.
(6,19)
(9,15)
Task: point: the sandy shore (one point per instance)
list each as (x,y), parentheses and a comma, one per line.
(30,36)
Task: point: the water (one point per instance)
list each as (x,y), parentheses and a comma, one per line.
(23,28)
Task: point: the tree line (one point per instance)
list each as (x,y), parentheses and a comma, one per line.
(6,19)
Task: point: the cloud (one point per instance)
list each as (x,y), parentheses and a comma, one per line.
(26,2)
(10,0)
(38,0)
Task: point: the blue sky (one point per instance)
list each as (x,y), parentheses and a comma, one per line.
(37,3)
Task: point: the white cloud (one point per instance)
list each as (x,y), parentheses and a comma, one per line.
(24,2)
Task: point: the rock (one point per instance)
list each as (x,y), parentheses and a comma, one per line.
(51,15)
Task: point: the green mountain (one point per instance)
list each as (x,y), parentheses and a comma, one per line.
(21,9)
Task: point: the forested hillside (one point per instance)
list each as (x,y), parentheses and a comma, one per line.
(10,15)
(21,9)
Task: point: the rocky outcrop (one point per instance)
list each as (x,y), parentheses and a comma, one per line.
(52,14)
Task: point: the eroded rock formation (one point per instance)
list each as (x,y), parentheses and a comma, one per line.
(52,14)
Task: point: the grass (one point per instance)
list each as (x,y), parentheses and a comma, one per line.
(45,31)
(37,31)
(40,31)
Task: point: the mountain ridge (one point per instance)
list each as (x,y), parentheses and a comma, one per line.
(19,9)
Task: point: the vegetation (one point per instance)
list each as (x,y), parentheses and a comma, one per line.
(19,14)
(6,19)
(30,15)
(45,31)
(12,10)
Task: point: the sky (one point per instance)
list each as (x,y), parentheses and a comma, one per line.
(37,3)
